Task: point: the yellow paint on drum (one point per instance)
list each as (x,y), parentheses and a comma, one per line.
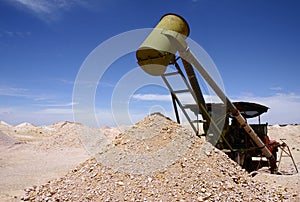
(175,23)
(157,51)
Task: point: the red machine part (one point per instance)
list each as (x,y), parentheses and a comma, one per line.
(272,145)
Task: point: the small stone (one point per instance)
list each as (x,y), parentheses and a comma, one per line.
(120,183)
(28,189)
(25,198)
(200,199)
(94,175)
(230,186)
(207,196)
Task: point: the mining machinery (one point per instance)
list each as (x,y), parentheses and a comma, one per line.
(224,123)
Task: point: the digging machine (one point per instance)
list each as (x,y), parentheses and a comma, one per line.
(224,124)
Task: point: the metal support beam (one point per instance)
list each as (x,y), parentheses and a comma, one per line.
(175,107)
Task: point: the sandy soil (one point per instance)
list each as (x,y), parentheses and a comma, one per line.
(32,156)
(290,179)
(22,167)
(290,134)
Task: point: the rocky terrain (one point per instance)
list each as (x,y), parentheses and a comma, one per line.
(154,160)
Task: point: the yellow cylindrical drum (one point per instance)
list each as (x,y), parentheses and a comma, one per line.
(157,51)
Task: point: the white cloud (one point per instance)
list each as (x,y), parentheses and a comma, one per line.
(38,6)
(42,109)
(15,34)
(152,97)
(47,10)
(65,81)
(22,92)
(17,115)
(69,104)
(12,91)
(55,111)
(284,108)
(184,97)
(278,88)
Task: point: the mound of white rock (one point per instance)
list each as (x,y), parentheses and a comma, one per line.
(198,172)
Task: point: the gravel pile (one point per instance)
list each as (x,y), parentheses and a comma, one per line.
(60,135)
(67,134)
(6,140)
(180,167)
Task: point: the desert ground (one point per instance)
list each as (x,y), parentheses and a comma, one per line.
(68,162)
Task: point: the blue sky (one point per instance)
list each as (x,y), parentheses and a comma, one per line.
(255,45)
